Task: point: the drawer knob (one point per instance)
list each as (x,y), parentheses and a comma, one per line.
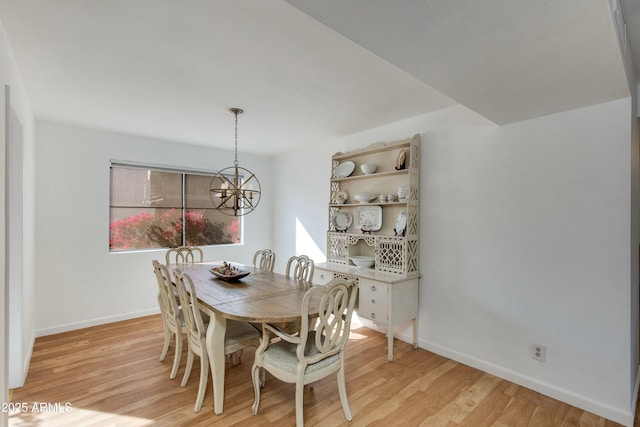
(373,287)
(373,315)
(373,301)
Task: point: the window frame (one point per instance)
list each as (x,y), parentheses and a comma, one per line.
(183,172)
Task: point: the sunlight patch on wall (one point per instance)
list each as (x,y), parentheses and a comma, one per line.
(305,245)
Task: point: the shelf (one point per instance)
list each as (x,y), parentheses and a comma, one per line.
(358,234)
(373,175)
(397,254)
(405,143)
(352,205)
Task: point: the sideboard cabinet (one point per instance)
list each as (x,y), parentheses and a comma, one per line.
(384,229)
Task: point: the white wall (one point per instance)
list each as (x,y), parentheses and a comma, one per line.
(525,238)
(20,314)
(78,282)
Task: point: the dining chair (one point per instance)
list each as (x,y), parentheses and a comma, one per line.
(238,335)
(183,255)
(264,259)
(313,354)
(172,320)
(300,267)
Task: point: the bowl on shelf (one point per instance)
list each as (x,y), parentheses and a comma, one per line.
(364,197)
(368,168)
(363,261)
(403,192)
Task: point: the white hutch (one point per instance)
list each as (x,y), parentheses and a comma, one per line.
(386,230)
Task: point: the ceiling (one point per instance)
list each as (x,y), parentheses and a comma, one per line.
(307,71)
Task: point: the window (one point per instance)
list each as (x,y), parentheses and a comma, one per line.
(161,208)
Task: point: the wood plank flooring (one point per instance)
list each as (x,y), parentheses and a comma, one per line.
(110,376)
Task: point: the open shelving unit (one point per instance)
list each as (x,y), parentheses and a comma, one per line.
(388,290)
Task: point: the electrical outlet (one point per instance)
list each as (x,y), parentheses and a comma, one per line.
(538,352)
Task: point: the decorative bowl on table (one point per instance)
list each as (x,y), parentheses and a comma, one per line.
(229,273)
(363,261)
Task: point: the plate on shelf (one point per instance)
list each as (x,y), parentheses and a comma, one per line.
(341,221)
(228,273)
(344,169)
(401,223)
(400,161)
(368,218)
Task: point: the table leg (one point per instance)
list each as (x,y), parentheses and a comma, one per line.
(390,342)
(215,351)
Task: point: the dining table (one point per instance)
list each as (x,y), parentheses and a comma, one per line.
(260,297)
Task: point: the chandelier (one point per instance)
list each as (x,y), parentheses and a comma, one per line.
(235,191)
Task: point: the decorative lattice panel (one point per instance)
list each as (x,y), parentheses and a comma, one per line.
(414,154)
(337,248)
(335,187)
(367,238)
(412,220)
(346,276)
(412,255)
(391,255)
(332,212)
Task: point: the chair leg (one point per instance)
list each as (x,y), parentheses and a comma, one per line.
(237,357)
(257,382)
(177,356)
(204,375)
(187,369)
(167,340)
(342,388)
(299,403)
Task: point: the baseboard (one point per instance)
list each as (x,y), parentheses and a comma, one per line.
(609,412)
(27,359)
(94,322)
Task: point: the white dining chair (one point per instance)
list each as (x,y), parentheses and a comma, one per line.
(313,354)
(264,259)
(171,315)
(238,335)
(183,255)
(300,267)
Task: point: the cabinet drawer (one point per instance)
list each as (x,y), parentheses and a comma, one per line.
(322,277)
(373,301)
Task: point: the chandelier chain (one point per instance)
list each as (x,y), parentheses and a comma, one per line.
(236,112)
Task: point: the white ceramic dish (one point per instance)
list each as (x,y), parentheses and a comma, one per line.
(344,169)
(363,261)
(368,168)
(341,221)
(368,218)
(340,197)
(364,197)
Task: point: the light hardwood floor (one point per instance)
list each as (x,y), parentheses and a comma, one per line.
(111,376)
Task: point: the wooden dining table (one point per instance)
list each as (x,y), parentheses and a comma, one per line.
(260,297)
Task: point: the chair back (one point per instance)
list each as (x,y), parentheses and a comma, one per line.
(190,311)
(183,255)
(335,302)
(300,268)
(264,259)
(166,296)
